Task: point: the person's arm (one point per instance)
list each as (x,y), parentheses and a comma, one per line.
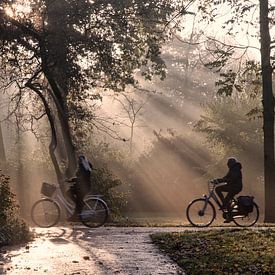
(226,178)
(70,180)
(233,175)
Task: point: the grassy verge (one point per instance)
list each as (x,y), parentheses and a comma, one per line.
(231,251)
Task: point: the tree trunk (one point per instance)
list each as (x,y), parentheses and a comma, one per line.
(62,111)
(2,147)
(20,180)
(57,45)
(53,143)
(268,114)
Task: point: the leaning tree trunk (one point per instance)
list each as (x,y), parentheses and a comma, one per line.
(268,114)
(57,46)
(20,180)
(53,142)
(61,107)
(2,148)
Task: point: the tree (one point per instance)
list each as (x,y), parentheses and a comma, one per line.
(63,50)
(132,107)
(268,111)
(2,147)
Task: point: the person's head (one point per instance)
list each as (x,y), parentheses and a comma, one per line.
(81,158)
(231,162)
(83,163)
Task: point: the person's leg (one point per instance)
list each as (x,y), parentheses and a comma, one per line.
(79,199)
(74,197)
(70,194)
(79,191)
(230,195)
(219,191)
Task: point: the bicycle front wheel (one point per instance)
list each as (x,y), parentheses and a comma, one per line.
(200,213)
(249,219)
(45,213)
(94,212)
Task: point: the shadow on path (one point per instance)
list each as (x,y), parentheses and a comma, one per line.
(82,250)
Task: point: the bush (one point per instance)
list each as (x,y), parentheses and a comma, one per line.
(104,184)
(13,229)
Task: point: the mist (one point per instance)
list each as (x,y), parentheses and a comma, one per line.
(150,132)
(171,162)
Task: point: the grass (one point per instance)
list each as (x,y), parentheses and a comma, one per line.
(226,251)
(167,222)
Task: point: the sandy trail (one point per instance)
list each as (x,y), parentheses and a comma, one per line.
(80,250)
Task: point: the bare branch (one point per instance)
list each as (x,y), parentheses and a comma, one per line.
(39,117)
(232,46)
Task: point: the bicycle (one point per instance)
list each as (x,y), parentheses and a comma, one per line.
(201,212)
(46,212)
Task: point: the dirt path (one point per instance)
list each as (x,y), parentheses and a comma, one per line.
(78,250)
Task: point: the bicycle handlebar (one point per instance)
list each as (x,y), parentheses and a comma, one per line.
(214,181)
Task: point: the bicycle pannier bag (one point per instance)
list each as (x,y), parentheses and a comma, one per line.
(245,203)
(47,189)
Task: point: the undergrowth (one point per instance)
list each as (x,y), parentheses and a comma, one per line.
(13,229)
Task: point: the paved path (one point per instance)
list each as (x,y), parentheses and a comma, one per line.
(79,250)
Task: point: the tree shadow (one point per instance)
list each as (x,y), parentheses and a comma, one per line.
(3,261)
(5,257)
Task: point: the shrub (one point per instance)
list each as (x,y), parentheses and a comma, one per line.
(103,183)
(13,229)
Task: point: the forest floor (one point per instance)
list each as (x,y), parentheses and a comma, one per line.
(80,250)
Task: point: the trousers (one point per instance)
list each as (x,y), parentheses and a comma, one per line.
(231,192)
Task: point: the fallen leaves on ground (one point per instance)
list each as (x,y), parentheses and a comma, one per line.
(230,251)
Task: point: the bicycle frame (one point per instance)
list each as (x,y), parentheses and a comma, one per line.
(212,194)
(62,202)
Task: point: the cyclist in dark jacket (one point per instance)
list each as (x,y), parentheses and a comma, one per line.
(81,186)
(233,180)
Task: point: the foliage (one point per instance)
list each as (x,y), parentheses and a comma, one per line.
(81,45)
(67,52)
(156,185)
(228,126)
(13,229)
(230,251)
(103,183)
(231,119)
(247,80)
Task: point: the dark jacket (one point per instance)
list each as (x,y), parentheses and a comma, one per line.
(83,175)
(233,178)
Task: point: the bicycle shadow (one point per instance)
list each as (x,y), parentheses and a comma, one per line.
(125,250)
(57,236)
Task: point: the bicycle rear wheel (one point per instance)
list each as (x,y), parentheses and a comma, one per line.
(247,220)
(200,213)
(45,213)
(94,212)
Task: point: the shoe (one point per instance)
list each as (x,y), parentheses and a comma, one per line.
(227,220)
